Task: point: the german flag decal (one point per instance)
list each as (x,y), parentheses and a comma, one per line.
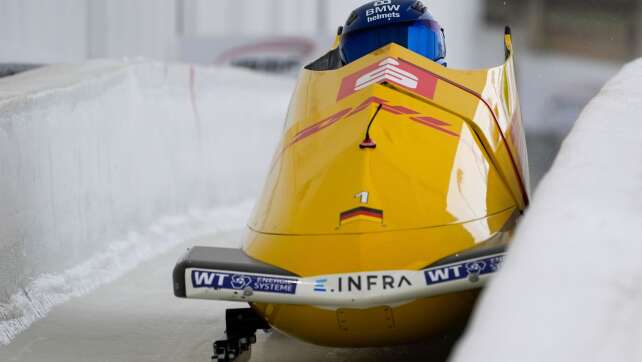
(361,213)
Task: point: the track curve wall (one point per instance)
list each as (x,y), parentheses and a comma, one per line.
(571,288)
(107,163)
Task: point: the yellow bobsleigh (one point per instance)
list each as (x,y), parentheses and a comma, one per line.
(390,201)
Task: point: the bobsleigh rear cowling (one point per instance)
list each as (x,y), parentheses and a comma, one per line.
(390,201)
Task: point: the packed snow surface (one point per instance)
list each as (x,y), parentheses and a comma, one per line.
(571,289)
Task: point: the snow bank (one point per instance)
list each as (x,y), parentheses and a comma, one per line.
(106,164)
(571,289)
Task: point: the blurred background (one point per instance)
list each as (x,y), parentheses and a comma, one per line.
(566,49)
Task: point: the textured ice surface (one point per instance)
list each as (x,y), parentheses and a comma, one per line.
(571,288)
(91,155)
(37,298)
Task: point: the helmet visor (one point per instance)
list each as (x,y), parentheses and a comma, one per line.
(424,37)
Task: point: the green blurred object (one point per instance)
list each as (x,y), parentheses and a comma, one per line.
(603,29)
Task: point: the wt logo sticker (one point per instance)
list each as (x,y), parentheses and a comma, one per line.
(240,281)
(464,270)
(220,280)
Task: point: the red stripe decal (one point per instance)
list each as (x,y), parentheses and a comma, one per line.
(366,103)
(319,126)
(430,122)
(403,110)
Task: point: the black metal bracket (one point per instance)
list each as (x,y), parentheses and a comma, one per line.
(240,329)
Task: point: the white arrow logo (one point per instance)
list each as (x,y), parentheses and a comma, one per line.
(388,70)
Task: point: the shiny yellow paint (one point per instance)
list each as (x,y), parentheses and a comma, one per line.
(408,323)
(441,192)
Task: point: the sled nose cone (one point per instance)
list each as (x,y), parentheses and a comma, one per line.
(420,166)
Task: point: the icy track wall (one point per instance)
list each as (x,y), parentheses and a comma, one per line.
(106,164)
(571,288)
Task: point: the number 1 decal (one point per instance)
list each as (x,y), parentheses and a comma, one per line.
(363,197)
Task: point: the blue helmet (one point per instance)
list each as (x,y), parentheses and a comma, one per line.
(405,22)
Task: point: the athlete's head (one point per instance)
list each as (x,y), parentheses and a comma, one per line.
(405,22)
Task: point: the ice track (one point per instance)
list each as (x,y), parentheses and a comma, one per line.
(136,318)
(169,153)
(571,289)
(105,164)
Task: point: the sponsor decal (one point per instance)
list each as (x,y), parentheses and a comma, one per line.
(320,125)
(221,280)
(361,213)
(383,9)
(390,70)
(470,270)
(363,283)
(319,285)
(385,106)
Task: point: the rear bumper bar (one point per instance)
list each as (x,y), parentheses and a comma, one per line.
(230,275)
